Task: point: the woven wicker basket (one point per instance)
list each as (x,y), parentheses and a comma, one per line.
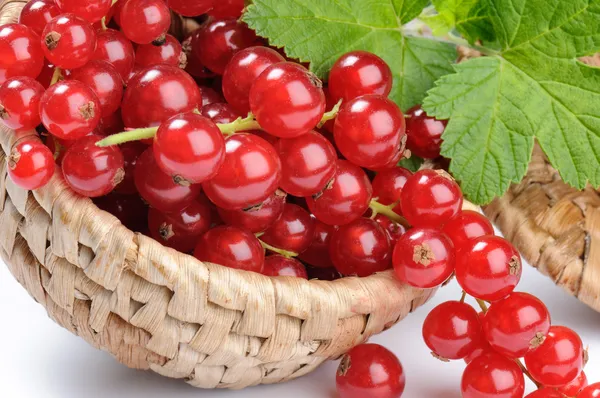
(154,308)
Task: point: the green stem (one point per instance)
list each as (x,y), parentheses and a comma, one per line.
(284,253)
(482,305)
(332,114)
(240,124)
(103,23)
(388,211)
(126,136)
(56,76)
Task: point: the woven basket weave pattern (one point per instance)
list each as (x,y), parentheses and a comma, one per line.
(154,308)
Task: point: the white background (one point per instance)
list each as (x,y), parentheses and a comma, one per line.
(38,359)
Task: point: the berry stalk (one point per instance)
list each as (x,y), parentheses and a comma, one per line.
(240,124)
(332,114)
(378,208)
(56,76)
(284,253)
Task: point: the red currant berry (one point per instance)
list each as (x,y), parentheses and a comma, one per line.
(105,81)
(70,110)
(189,8)
(220,113)
(257,218)
(20,103)
(360,248)
(591,391)
(114,48)
(492,375)
(346,199)
(359,73)
(90,10)
(129,209)
(158,188)
(131,151)
(111,124)
(516,324)
(181,229)
(424,133)
(559,360)
(231,247)
(452,330)
(370,370)
(545,393)
(37,13)
(147,20)
(424,258)
(573,388)
(45,77)
(250,174)
(68,41)
(210,96)
(30,164)
(483,347)
(241,72)
(276,265)
(90,170)
(227,9)
(219,40)
(169,53)
(430,198)
(323,274)
(393,229)
(388,184)
(189,147)
(292,231)
(465,226)
(192,50)
(307,164)
(287,100)
(20,52)
(317,253)
(157,93)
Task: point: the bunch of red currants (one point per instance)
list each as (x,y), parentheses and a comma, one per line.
(220,146)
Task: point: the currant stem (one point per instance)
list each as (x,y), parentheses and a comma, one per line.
(463,296)
(56,76)
(126,136)
(332,114)
(239,124)
(284,253)
(482,305)
(526,373)
(387,211)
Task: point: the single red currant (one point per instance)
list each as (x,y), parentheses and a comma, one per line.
(210,96)
(189,8)
(488,268)
(545,393)
(221,113)
(147,20)
(558,360)
(169,53)
(250,174)
(90,10)
(189,147)
(292,231)
(388,184)
(452,330)
(591,391)
(370,370)
(20,103)
(393,229)
(424,133)
(430,198)
(111,124)
(307,164)
(131,151)
(157,93)
(573,388)
(129,209)
(20,52)
(158,188)
(227,9)
(219,40)
(30,164)
(369,131)
(241,72)
(114,48)
(70,110)
(359,73)
(360,248)
(36,14)
(231,247)
(287,100)
(181,229)
(424,258)
(257,218)
(276,265)
(105,81)
(483,347)
(492,375)
(465,226)
(345,199)
(192,50)
(90,170)
(317,253)
(68,41)
(516,324)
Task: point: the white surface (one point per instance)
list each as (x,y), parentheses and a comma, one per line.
(38,359)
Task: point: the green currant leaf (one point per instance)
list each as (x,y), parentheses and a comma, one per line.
(533,87)
(413,163)
(469,17)
(320,31)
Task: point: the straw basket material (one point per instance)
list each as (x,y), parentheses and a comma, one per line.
(154,308)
